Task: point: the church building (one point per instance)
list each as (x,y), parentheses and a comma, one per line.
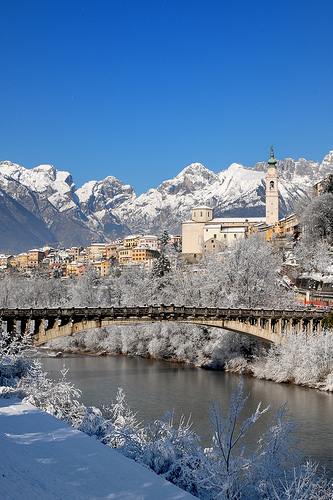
(204,233)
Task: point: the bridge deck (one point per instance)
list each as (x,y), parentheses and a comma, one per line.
(267,324)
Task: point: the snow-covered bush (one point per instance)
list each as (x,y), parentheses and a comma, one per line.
(303,358)
(166,444)
(14,362)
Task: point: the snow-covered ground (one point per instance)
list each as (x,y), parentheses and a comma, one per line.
(44,458)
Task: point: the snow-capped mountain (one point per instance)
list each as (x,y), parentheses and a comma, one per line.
(236,191)
(41,205)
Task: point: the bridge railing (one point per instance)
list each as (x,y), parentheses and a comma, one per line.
(167,310)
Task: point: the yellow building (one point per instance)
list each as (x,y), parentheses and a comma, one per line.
(132,241)
(22,260)
(71,268)
(124,255)
(19,261)
(101,267)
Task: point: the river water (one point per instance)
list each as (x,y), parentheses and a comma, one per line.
(153,387)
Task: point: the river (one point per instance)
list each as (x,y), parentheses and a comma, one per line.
(152,387)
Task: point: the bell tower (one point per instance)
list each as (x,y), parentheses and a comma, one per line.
(272,192)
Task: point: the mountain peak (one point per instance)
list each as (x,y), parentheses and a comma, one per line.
(45,199)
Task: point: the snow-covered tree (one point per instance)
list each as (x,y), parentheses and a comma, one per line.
(317,218)
(243,276)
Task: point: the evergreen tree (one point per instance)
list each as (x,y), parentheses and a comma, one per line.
(162,264)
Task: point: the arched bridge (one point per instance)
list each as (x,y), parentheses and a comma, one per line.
(269,325)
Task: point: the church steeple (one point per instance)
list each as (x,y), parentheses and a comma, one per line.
(272,192)
(272,161)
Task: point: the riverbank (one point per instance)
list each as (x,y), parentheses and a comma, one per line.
(43,457)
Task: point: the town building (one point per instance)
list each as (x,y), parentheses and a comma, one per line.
(203,233)
(5,260)
(144,254)
(175,240)
(96,251)
(20,261)
(132,241)
(322,186)
(124,255)
(150,240)
(35,257)
(74,252)
(101,267)
(112,249)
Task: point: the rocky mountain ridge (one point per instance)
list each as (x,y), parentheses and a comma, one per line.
(42,205)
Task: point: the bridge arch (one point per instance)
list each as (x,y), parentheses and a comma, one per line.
(269,325)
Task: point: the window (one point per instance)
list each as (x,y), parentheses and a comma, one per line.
(212,241)
(225,235)
(235,235)
(271,185)
(200,214)
(214,235)
(208,214)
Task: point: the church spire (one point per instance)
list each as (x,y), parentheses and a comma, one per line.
(272,161)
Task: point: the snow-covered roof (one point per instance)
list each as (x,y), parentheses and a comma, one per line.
(132,236)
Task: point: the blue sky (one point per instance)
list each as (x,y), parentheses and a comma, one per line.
(140,89)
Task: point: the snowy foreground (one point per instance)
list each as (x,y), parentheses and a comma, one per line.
(44,458)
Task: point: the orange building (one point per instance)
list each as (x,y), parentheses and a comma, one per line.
(144,254)
(35,257)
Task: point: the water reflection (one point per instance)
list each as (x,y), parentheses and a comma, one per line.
(153,387)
